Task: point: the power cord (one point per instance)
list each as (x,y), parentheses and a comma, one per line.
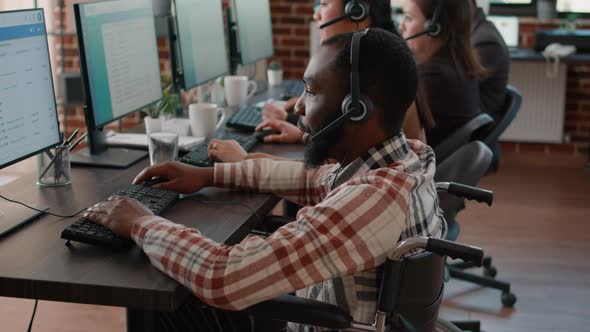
(260,221)
(42,211)
(33,316)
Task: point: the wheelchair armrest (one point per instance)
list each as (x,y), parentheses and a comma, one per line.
(302,311)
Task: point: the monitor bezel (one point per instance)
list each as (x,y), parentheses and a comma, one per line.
(239,43)
(181,58)
(89,108)
(564,14)
(60,140)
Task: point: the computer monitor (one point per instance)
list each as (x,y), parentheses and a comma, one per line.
(253,28)
(28,114)
(508,27)
(511,2)
(120,70)
(203,53)
(573,6)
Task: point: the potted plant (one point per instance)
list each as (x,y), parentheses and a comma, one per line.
(166,107)
(274,73)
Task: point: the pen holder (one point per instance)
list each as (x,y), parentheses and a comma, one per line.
(53,167)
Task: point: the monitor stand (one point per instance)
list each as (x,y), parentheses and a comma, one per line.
(13,216)
(111,157)
(98,154)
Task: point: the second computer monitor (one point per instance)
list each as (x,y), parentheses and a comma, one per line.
(119,57)
(200,29)
(254,30)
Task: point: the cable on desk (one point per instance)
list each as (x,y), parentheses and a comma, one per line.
(32,316)
(236,204)
(42,211)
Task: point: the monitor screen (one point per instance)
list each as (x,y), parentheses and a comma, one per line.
(573,6)
(202,51)
(119,57)
(254,30)
(511,2)
(508,27)
(28,114)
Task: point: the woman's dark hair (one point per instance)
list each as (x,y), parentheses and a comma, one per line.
(381,16)
(455,19)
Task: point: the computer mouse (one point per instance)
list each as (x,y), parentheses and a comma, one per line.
(154,181)
(260,135)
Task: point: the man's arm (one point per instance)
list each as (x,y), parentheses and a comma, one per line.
(352,230)
(288,179)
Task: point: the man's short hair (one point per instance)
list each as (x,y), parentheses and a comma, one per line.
(388,73)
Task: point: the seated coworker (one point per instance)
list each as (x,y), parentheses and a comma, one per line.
(493,55)
(355,211)
(447,64)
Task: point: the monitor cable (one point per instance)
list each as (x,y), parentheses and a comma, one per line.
(42,211)
(33,316)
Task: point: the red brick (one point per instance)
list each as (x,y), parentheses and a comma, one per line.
(304,9)
(293,42)
(281,30)
(293,20)
(280,9)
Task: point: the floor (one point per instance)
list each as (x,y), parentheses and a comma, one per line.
(538,232)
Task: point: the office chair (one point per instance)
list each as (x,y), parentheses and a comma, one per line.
(462,136)
(468,165)
(409,297)
(492,133)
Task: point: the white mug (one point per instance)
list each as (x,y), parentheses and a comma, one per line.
(204,119)
(236,90)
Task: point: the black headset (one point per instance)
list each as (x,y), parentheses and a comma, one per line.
(355,106)
(354,10)
(432,25)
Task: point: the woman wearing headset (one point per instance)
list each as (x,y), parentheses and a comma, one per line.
(379,16)
(439,34)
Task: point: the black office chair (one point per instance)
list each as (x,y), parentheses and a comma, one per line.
(409,298)
(493,132)
(468,165)
(465,134)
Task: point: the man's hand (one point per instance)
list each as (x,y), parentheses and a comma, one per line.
(271,111)
(182,178)
(287,133)
(226,151)
(118,214)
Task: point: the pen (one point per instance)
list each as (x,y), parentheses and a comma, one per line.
(71,138)
(78,141)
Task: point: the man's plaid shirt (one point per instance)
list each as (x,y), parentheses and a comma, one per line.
(330,252)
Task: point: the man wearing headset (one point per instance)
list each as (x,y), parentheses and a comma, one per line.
(382,191)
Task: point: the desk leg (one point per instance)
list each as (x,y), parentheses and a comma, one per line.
(142,321)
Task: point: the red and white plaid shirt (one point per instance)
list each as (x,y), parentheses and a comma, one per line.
(330,253)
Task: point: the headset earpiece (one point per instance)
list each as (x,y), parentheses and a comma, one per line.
(365,108)
(356,10)
(432,26)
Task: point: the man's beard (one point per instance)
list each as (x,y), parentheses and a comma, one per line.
(318,151)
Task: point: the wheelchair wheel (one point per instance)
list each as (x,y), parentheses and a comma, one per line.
(445,326)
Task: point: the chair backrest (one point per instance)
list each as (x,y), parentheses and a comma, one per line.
(419,289)
(461,136)
(467,166)
(510,110)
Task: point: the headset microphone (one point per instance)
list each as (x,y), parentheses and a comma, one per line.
(355,10)
(432,26)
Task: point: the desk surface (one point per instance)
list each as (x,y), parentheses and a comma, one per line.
(35,263)
(527,54)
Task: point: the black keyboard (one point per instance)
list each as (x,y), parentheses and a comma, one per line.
(200,155)
(83,230)
(246,118)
